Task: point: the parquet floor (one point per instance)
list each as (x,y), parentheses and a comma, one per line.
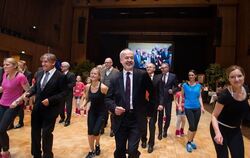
(72,142)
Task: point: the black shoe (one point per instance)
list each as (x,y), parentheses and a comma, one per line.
(143,144)
(19,125)
(97,150)
(67,123)
(165,134)
(160,136)
(111,134)
(61,120)
(150,148)
(10,127)
(90,155)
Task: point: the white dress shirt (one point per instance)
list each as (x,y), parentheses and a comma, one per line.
(131,85)
(51,72)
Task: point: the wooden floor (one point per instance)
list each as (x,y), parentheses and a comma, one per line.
(71,141)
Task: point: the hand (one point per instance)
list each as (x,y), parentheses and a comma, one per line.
(119,110)
(218,139)
(13,104)
(45,102)
(170,91)
(160,108)
(202,110)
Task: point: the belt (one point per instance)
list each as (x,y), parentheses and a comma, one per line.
(225,125)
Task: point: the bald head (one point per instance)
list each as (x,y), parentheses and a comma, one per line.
(108,63)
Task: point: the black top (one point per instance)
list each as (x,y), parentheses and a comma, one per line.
(97,100)
(234,110)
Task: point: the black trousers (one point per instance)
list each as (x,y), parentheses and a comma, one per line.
(168,110)
(232,140)
(68,103)
(7,116)
(42,127)
(127,134)
(107,116)
(151,125)
(193,117)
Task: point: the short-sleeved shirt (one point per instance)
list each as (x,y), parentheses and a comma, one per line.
(191,95)
(78,89)
(12,88)
(233,110)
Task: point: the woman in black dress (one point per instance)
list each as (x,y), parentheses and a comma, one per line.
(228,113)
(95,94)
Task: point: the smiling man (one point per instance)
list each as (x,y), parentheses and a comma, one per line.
(49,90)
(126,100)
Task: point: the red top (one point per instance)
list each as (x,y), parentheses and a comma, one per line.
(78,89)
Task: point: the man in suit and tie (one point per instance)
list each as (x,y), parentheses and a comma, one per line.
(71,81)
(108,72)
(49,90)
(126,100)
(168,86)
(152,113)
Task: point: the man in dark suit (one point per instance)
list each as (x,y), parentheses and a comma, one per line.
(24,69)
(49,90)
(71,82)
(152,113)
(168,86)
(126,100)
(106,74)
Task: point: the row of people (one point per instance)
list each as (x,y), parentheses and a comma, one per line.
(125,98)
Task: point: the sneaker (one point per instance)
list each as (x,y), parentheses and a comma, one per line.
(6,154)
(182,132)
(90,154)
(177,133)
(189,147)
(193,145)
(97,150)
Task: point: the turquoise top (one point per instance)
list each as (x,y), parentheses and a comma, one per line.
(191,95)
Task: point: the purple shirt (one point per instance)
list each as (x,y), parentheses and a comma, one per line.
(12,88)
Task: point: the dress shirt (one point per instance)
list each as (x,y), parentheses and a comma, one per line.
(131,85)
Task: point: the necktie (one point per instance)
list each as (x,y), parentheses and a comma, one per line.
(45,80)
(127,91)
(164,78)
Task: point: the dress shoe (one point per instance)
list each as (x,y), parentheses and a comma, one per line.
(19,125)
(111,134)
(150,148)
(160,136)
(61,120)
(67,123)
(143,144)
(165,134)
(10,127)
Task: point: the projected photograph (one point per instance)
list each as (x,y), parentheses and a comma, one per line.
(156,53)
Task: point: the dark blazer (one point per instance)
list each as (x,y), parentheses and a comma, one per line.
(28,75)
(153,105)
(171,83)
(116,96)
(55,91)
(71,82)
(106,79)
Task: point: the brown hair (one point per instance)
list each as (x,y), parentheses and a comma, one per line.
(232,68)
(98,71)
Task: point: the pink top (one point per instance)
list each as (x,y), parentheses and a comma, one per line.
(178,96)
(78,89)
(12,88)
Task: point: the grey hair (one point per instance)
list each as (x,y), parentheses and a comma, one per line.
(124,51)
(48,56)
(65,63)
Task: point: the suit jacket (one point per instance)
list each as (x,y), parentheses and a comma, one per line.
(153,105)
(116,96)
(28,75)
(71,82)
(54,90)
(106,79)
(171,83)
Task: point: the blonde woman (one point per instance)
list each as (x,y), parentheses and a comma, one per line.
(13,85)
(95,94)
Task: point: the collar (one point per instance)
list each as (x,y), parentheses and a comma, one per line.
(125,72)
(52,71)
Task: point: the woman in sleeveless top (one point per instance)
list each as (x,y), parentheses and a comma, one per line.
(95,94)
(13,85)
(231,107)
